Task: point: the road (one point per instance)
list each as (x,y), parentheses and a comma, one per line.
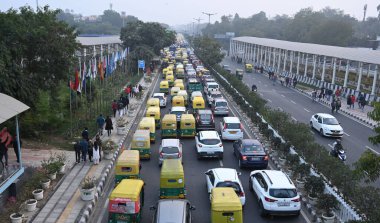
(195,184)
(301,108)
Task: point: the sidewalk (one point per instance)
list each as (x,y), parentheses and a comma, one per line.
(66,205)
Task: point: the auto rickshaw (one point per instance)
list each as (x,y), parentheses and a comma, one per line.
(172,180)
(180,73)
(170,78)
(187,126)
(178,101)
(169,126)
(183,93)
(126,202)
(174,91)
(148,123)
(239,74)
(141,143)
(248,68)
(156,114)
(180,85)
(153,102)
(164,87)
(127,166)
(225,206)
(178,81)
(198,103)
(164,71)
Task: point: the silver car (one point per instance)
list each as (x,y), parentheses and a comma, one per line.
(220,106)
(161,97)
(178,111)
(170,149)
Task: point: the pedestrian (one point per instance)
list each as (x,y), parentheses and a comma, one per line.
(120,107)
(362,102)
(126,102)
(333,106)
(90,152)
(274,78)
(15,147)
(295,82)
(323,92)
(337,93)
(140,88)
(320,96)
(329,93)
(109,125)
(129,89)
(85,134)
(287,80)
(100,122)
(114,108)
(353,100)
(84,147)
(78,150)
(348,101)
(98,142)
(5,140)
(338,104)
(95,152)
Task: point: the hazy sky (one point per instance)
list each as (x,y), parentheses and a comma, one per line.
(183,12)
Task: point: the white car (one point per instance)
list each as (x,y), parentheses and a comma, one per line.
(211,86)
(196,94)
(170,149)
(178,111)
(199,68)
(208,144)
(275,193)
(231,128)
(213,95)
(225,177)
(188,67)
(326,125)
(191,72)
(161,97)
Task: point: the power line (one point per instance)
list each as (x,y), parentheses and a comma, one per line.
(209,15)
(198,20)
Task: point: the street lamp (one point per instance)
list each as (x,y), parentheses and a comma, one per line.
(209,15)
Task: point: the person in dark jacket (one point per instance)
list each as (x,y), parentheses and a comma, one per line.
(85,134)
(100,122)
(109,125)
(15,147)
(84,147)
(78,150)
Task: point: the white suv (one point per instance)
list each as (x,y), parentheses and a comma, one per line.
(225,177)
(231,128)
(208,144)
(275,192)
(161,97)
(169,149)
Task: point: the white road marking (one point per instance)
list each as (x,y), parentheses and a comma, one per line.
(346,134)
(280,109)
(269,100)
(265,85)
(330,146)
(294,118)
(293,101)
(372,150)
(306,109)
(221,163)
(312,132)
(283,96)
(261,94)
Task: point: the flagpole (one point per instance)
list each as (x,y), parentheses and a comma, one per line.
(71,112)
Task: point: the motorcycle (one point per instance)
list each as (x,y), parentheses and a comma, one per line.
(339,153)
(254,88)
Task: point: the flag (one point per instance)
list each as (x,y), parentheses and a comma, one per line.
(74,85)
(94,68)
(84,75)
(100,70)
(79,89)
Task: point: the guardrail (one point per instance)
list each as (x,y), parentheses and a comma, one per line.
(345,212)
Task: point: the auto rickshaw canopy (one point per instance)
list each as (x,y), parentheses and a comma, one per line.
(128,188)
(225,199)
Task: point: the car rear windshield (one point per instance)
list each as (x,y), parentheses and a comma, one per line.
(283,193)
(233,125)
(221,104)
(210,141)
(231,184)
(176,112)
(253,148)
(213,86)
(330,121)
(216,95)
(205,117)
(169,150)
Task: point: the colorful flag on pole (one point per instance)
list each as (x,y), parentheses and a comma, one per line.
(74,85)
(100,70)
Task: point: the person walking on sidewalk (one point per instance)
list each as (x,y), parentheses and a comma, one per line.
(96,153)
(333,106)
(109,125)
(15,147)
(100,122)
(338,104)
(78,150)
(120,106)
(294,82)
(84,147)
(114,108)
(126,102)
(85,134)
(353,100)
(90,150)
(323,92)
(348,101)
(98,142)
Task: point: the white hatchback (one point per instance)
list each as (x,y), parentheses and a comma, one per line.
(326,125)
(231,128)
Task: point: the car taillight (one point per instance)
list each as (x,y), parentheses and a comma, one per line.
(241,127)
(161,155)
(296,200)
(179,155)
(224,126)
(267,199)
(200,145)
(220,145)
(241,194)
(266,158)
(244,157)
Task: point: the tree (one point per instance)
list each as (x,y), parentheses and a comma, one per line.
(375,115)
(368,166)
(208,50)
(112,17)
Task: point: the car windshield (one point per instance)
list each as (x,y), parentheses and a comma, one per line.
(210,141)
(176,112)
(159,97)
(205,117)
(253,148)
(330,121)
(231,184)
(221,104)
(213,86)
(169,150)
(283,193)
(216,95)
(233,125)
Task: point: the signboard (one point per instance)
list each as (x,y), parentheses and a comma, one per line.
(141,64)
(230,34)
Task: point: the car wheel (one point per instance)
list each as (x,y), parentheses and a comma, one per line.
(250,184)
(262,211)
(311,125)
(321,132)
(240,165)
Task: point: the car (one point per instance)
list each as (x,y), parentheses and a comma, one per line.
(178,111)
(169,149)
(199,68)
(172,210)
(326,125)
(220,107)
(204,120)
(211,86)
(161,97)
(191,72)
(275,192)
(250,153)
(213,95)
(225,177)
(231,128)
(188,67)
(226,66)
(208,144)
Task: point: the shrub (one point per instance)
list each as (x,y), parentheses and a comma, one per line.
(327,203)
(314,186)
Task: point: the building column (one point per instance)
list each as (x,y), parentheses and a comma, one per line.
(334,72)
(346,74)
(285,58)
(261,55)
(323,69)
(265,56)
(269,55)
(291,62)
(254,54)
(374,81)
(274,57)
(314,65)
(306,59)
(360,76)
(279,61)
(257,53)
(298,63)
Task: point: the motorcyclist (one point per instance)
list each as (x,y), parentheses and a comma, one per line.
(336,147)
(254,87)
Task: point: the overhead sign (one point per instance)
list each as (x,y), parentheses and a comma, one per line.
(141,64)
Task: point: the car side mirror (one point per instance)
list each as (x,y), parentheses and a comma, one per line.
(239,173)
(192,208)
(207,173)
(152,208)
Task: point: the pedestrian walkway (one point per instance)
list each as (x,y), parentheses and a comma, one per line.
(66,205)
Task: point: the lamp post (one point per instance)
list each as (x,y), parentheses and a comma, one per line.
(209,15)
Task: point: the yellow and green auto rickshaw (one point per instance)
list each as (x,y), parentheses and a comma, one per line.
(126,202)
(153,102)
(178,81)
(164,87)
(239,74)
(180,85)
(170,78)
(141,143)
(127,166)
(148,123)
(178,101)
(174,91)
(225,206)
(248,68)
(187,126)
(172,180)
(185,96)
(198,103)
(164,71)
(169,126)
(156,114)
(180,73)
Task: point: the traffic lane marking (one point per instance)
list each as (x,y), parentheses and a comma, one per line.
(306,109)
(294,118)
(283,96)
(332,147)
(372,150)
(269,100)
(221,163)
(293,101)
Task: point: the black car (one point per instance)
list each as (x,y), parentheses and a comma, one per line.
(204,120)
(250,153)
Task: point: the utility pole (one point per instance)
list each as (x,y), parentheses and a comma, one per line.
(365,12)
(209,15)
(199,20)
(123,15)
(193,28)
(37,5)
